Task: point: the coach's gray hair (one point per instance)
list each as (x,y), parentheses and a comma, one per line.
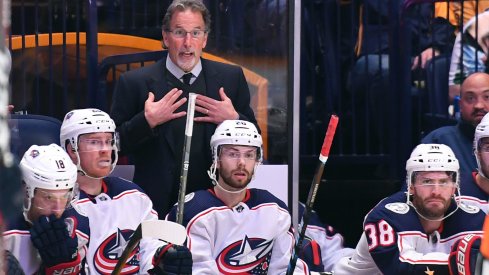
(181,5)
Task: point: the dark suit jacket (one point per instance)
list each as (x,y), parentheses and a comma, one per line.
(153,151)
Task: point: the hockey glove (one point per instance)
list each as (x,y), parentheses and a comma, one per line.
(464,256)
(311,254)
(58,250)
(172,259)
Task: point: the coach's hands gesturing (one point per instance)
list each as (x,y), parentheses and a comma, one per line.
(215,111)
(163,110)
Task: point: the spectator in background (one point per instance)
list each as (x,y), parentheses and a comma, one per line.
(474,104)
(369,78)
(459,13)
(469,53)
(149,106)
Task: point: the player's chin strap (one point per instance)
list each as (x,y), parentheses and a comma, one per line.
(212,175)
(457,202)
(479,170)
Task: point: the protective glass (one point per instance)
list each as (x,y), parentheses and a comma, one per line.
(181,33)
(483,147)
(432,183)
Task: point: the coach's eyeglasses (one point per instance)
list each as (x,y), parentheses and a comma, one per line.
(181,33)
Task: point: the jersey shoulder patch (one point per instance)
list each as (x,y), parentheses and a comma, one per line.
(469,208)
(398,207)
(188,197)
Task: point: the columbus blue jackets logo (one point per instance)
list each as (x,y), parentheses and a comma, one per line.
(110,251)
(34,153)
(247,256)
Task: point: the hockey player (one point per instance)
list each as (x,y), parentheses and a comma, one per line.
(114,207)
(232,229)
(40,238)
(413,232)
(475,190)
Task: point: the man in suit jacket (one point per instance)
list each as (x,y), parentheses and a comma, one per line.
(149,106)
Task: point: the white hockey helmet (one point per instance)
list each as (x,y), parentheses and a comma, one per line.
(481,131)
(432,157)
(234,132)
(48,167)
(86,121)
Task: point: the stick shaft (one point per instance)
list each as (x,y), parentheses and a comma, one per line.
(189,125)
(311,198)
(136,237)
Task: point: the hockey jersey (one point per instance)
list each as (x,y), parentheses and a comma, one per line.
(472,194)
(112,216)
(394,242)
(253,237)
(17,240)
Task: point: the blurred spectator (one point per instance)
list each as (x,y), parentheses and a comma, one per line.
(469,52)
(369,77)
(459,13)
(474,104)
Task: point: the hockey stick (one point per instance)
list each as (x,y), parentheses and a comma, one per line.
(189,126)
(167,231)
(323,157)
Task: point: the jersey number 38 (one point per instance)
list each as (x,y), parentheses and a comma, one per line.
(380,233)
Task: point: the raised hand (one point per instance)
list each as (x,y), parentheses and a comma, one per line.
(163,110)
(215,111)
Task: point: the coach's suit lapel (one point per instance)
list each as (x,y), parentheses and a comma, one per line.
(160,87)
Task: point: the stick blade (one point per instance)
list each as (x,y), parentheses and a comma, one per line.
(167,231)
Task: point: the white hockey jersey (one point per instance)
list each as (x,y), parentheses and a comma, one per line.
(17,240)
(253,237)
(110,220)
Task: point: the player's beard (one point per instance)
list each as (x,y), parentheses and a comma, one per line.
(433,212)
(227,178)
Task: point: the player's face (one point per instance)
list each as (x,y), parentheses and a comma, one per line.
(432,193)
(483,155)
(47,202)
(95,151)
(236,166)
(185,51)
